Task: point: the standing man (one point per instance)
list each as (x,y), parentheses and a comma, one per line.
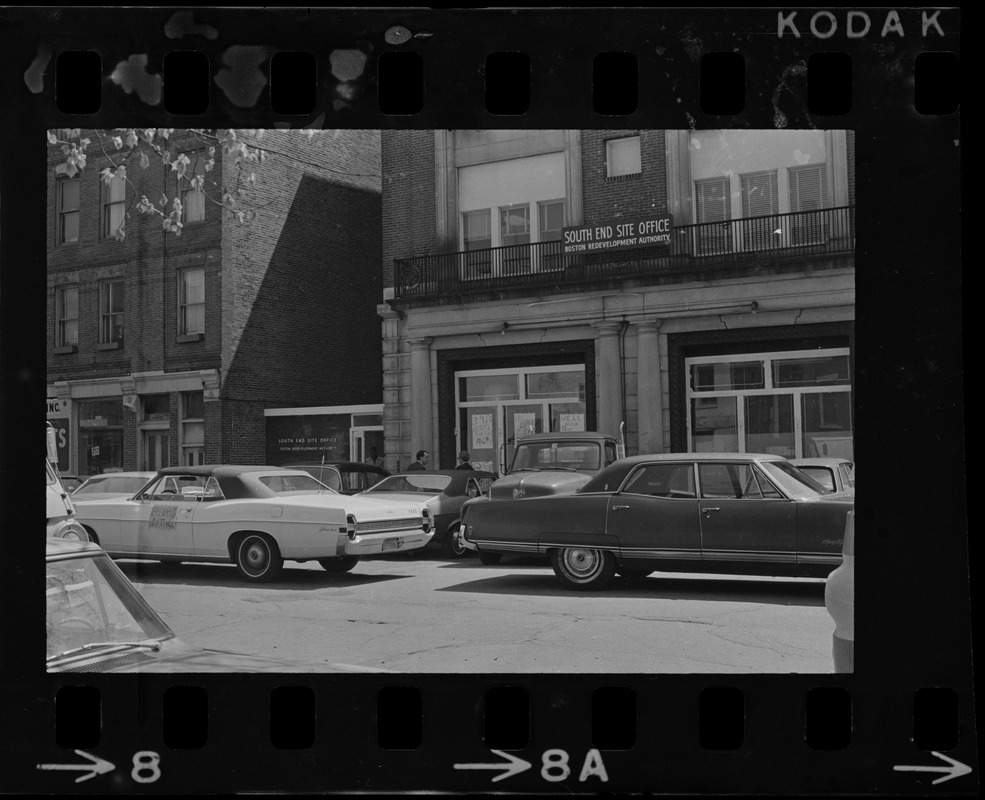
(374,458)
(421,463)
(463,461)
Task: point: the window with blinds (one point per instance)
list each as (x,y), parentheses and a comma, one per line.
(808,199)
(714,210)
(760,204)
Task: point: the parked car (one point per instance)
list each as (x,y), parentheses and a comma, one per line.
(347,477)
(111,484)
(839,600)
(97,621)
(252,516)
(444,491)
(683,512)
(61,521)
(834,474)
(71,482)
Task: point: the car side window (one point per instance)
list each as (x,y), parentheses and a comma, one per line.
(727,481)
(768,489)
(212,490)
(662,480)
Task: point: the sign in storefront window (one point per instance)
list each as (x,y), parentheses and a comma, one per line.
(312,437)
(100,436)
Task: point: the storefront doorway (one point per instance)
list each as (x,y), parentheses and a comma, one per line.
(497,407)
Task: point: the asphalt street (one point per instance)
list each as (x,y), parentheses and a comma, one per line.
(423,614)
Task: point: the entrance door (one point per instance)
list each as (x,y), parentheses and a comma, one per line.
(155,450)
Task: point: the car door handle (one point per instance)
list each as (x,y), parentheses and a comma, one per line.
(706,510)
(617,508)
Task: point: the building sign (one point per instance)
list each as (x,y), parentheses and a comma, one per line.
(309,437)
(618,234)
(63,441)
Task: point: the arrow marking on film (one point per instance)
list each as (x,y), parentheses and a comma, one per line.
(97,766)
(956,770)
(514,766)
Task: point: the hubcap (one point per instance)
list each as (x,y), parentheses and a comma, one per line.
(581,563)
(256,555)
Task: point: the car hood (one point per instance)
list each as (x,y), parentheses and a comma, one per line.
(519,485)
(176,656)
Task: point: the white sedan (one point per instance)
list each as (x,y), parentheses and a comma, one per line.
(255,517)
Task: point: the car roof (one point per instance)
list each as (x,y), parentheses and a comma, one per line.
(69,547)
(563,435)
(642,459)
(216,469)
(141,474)
(821,461)
(452,473)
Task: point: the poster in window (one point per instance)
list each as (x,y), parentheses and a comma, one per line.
(482,431)
(524,425)
(572,422)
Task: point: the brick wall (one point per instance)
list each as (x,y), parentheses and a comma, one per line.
(409,196)
(626,195)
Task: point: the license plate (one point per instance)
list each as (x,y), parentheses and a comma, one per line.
(391,544)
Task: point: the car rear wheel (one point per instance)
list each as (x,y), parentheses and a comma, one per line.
(339,564)
(451,545)
(490,558)
(258,558)
(583,567)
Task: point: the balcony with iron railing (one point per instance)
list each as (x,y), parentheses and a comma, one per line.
(778,241)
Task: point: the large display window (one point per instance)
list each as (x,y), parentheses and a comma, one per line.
(795,404)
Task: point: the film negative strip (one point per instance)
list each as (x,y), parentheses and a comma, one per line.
(669,238)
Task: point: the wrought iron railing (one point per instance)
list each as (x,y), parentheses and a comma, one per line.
(703,247)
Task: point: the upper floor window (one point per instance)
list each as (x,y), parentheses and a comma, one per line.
(808,188)
(514,224)
(67,316)
(68,209)
(551,219)
(114,206)
(110,311)
(191,301)
(759,194)
(477,230)
(622,156)
(192,192)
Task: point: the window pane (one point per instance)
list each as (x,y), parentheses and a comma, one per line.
(808,189)
(193,434)
(194,405)
(194,319)
(116,190)
(193,206)
(825,371)
(69,194)
(156,407)
(714,426)
(477,230)
(490,387)
(726,376)
(713,200)
(769,425)
(551,220)
(194,284)
(556,384)
(70,332)
(70,227)
(759,195)
(515,225)
(827,423)
(622,156)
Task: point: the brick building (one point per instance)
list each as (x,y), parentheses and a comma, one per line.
(168,349)
(698,286)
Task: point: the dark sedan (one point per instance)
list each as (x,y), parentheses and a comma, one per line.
(739,513)
(444,491)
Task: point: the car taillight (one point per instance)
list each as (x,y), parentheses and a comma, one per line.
(350,526)
(426,520)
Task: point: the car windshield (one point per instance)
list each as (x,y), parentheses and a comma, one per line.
(794,482)
(421,484)
(293,483)
(91,604)
(554,455)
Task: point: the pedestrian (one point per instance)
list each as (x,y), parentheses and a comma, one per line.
(374,458)
(464,460)
(421,463)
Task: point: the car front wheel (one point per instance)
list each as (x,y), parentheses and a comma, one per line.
(339,564)
(583,568)
(258,558)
